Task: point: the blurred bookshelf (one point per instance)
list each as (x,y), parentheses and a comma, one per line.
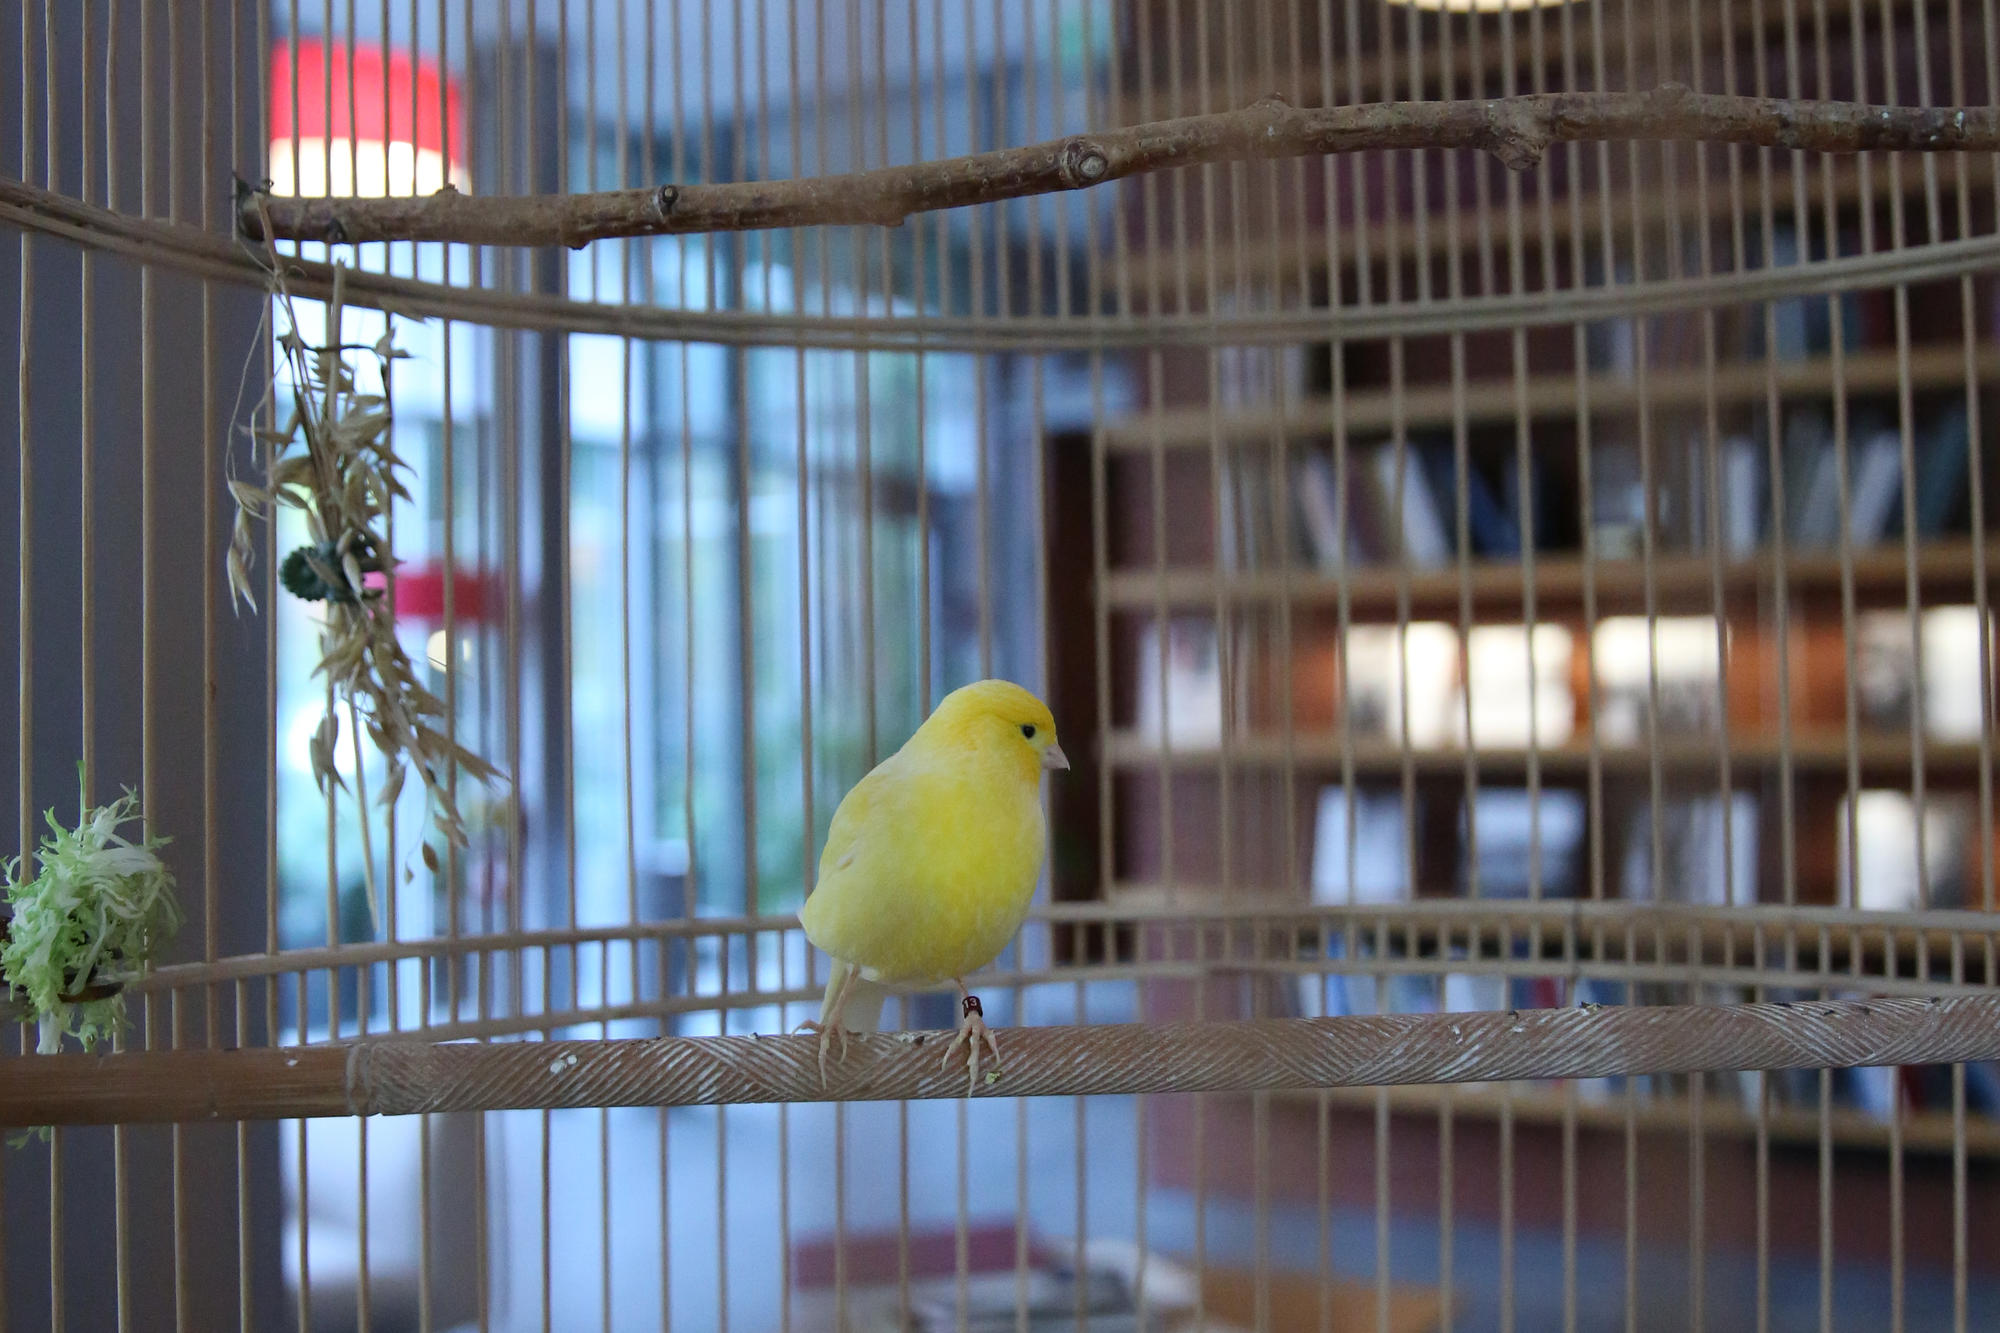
(1295,266)
(1490,615)
(1944,570)
(1488,400)
(1534,58)
(1293,622)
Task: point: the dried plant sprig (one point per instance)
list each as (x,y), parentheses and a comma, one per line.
(95,913)
(333,460)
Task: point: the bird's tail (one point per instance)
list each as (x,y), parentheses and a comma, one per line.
(865,998)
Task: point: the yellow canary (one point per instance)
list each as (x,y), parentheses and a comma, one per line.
(931,861)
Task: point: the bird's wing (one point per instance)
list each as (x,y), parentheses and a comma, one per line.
(880,868)
(862,807)
(925,873)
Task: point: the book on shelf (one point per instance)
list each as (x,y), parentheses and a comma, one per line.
(1907,854)
(1812,479)
(1732,474)
(1391,511)
(1729,478)
(1943,444)
(1676,660)
(1254,377)
(1491,526)
(1413,527)
(1400,682)
(1361,847)
(1522,500)
(1940,446)
(1402,505)
(1706,854)
(1617,499)
(1528,842)
(1518,685)
(1509,688)
(1889,681)
(1611,346)
(1956,640)
(1743,463)
(1183,698)
(1247,534)
(1876,487)
(1874,482)
(1328,538)
(1885,670)
(1802,326)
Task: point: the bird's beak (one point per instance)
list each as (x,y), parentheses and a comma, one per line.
(1053,757)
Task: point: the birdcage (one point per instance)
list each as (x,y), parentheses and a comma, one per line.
(1495,496)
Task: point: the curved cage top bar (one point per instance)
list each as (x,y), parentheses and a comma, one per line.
(204,254)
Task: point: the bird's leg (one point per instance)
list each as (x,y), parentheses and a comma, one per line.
(832,1032)
(972,1030)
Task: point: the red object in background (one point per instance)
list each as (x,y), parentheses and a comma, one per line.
(422,105)
(476,594)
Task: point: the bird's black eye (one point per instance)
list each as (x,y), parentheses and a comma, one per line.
(1028,730)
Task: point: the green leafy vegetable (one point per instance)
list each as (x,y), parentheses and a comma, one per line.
(100,908)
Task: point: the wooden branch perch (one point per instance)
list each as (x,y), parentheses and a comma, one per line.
(402,1077)
(1517,130)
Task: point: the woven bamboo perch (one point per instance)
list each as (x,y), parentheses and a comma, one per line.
(1517,130)
(406,1078)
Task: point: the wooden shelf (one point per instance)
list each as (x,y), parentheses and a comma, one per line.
(1281,259)
(1569,933)
(1929,1132)
(1546,397)
(1244,1298)
(1880,757)
(1680,583)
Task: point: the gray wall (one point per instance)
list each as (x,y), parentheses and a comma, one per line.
(186,399)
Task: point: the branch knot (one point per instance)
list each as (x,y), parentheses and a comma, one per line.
(1276,113)
(1081,163)
(1517,133)
(1787,133)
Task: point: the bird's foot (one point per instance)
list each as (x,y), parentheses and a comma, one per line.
(831,1035)
(972,1031)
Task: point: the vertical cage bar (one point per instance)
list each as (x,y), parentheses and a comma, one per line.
(24,668)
